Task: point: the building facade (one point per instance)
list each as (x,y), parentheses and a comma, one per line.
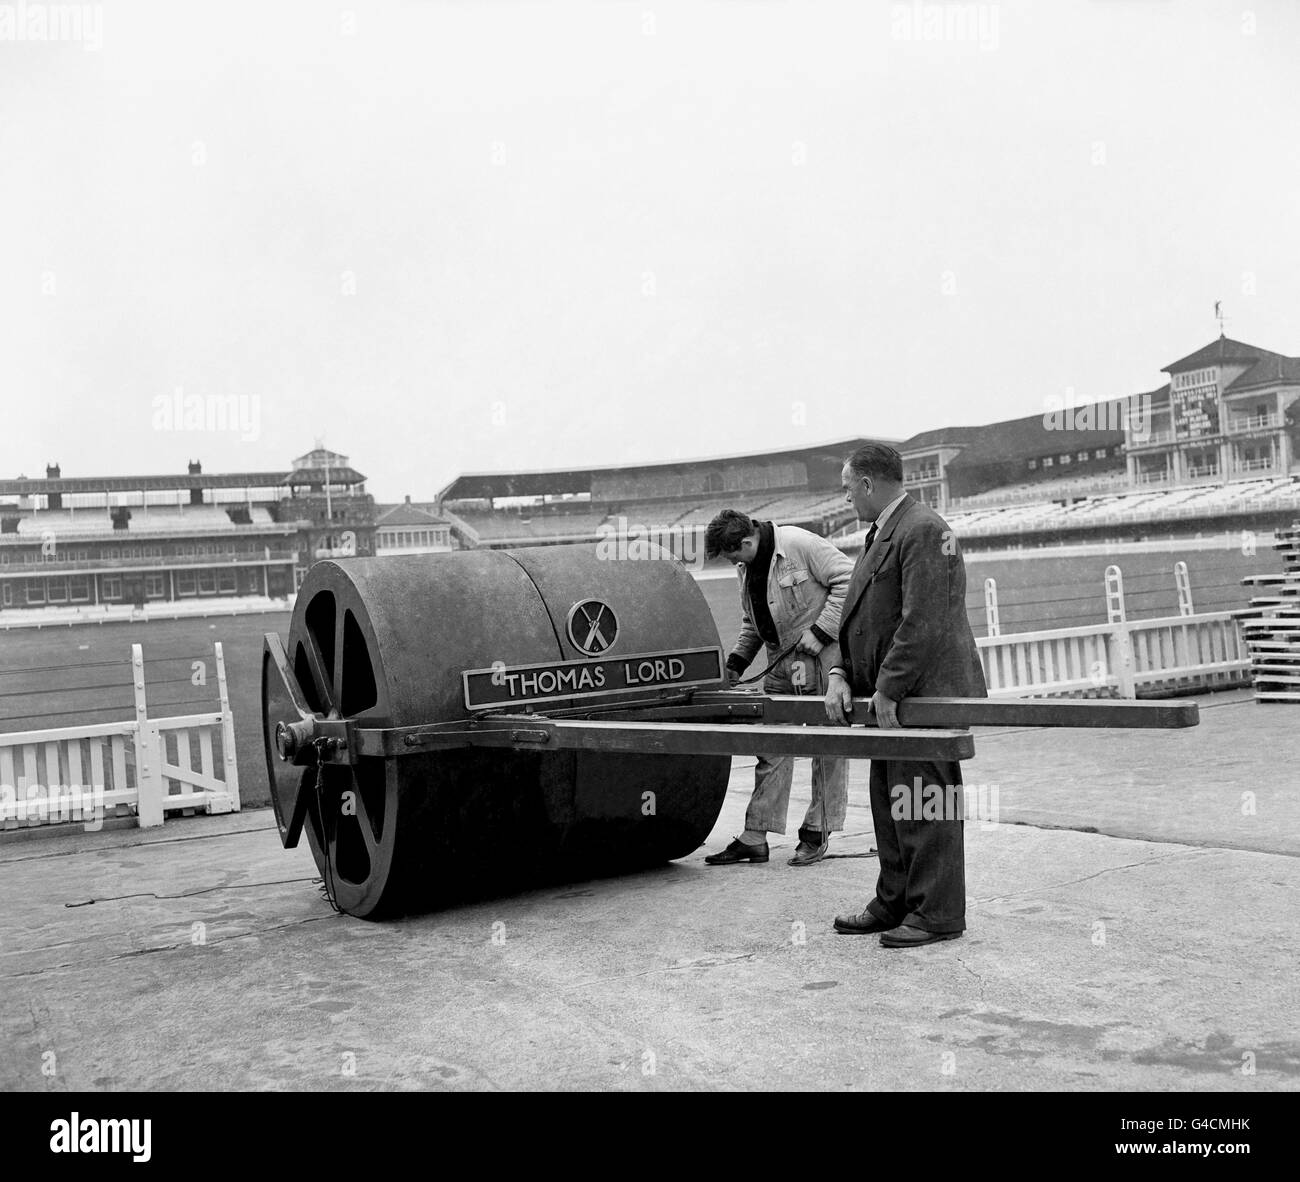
(135,540)
(1227,413)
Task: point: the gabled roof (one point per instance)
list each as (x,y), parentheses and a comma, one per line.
(408,514)
(1268,371)
(318,456)
(1217,352)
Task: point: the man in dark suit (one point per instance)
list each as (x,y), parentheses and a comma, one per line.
(904,634)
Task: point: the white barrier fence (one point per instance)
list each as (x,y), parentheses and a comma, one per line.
(149,766)
(1205,651)
(1172,652)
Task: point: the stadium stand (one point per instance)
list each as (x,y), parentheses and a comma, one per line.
(85,543)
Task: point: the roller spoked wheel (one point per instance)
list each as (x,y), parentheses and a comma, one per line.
(354,812)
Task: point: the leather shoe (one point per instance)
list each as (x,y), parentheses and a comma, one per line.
(806,853)
(861,923)
(738,851)
(907,936)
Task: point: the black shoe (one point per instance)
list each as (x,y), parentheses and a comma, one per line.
(862,923)
(808,852)
(738,851)
(909,937)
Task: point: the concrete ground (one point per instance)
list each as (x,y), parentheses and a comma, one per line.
(1158,953)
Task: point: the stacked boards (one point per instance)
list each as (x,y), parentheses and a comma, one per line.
(1272,624)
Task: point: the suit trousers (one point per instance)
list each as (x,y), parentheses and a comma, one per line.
(922,862)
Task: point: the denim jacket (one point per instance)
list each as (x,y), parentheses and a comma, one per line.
(806,584)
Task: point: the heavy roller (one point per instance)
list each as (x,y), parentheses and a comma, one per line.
(457,723)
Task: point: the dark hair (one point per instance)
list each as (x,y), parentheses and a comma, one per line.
(879,461)
(726,532)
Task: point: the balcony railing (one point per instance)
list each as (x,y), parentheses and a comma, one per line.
(1253,422)
(56,564)
(1260,465)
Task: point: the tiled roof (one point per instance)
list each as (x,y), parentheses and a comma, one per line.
(406,514)
(1268,372)
(1216,352)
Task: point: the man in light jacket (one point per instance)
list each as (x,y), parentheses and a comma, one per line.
(792,588)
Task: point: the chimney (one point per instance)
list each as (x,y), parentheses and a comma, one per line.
(196,468)
(52,472)
(408,498)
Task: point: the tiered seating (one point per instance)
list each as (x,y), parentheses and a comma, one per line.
(1272,625)
(654,514)
(804,507)
(1157,505)
(492,527)
(162,520)
(65,521)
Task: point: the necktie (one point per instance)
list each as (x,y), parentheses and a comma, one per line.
(871,537)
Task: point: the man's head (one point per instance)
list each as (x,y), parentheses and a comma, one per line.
(733,535)
(871,478)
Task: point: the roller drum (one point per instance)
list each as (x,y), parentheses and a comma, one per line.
(384,641)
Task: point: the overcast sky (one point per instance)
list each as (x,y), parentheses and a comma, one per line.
(450,236)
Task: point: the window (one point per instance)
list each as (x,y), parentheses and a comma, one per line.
(1033,464)
(1099,454)
(185,584)
(207,581)
(79,589)
(56,590)
(226,580)
(153,586)
(1083,455)
(6,594)
(35,590)
(1065,460)
(112,586)
(1048,461)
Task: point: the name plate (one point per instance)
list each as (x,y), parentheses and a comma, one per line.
(522,685)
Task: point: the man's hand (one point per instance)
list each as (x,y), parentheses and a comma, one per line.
(808,643)
(733,676)
(886,711)
(839,699)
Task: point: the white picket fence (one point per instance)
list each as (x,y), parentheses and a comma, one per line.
(1120,657)
(146,766)
(1205,651)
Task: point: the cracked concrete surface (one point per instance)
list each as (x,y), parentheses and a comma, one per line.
(208,958)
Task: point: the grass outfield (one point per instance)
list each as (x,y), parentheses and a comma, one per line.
(93,683)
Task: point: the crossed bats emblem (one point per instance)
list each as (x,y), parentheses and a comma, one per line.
(592,626)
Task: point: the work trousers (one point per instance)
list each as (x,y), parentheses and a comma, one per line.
(772,777)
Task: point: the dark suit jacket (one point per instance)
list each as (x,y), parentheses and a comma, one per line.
(904,630)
